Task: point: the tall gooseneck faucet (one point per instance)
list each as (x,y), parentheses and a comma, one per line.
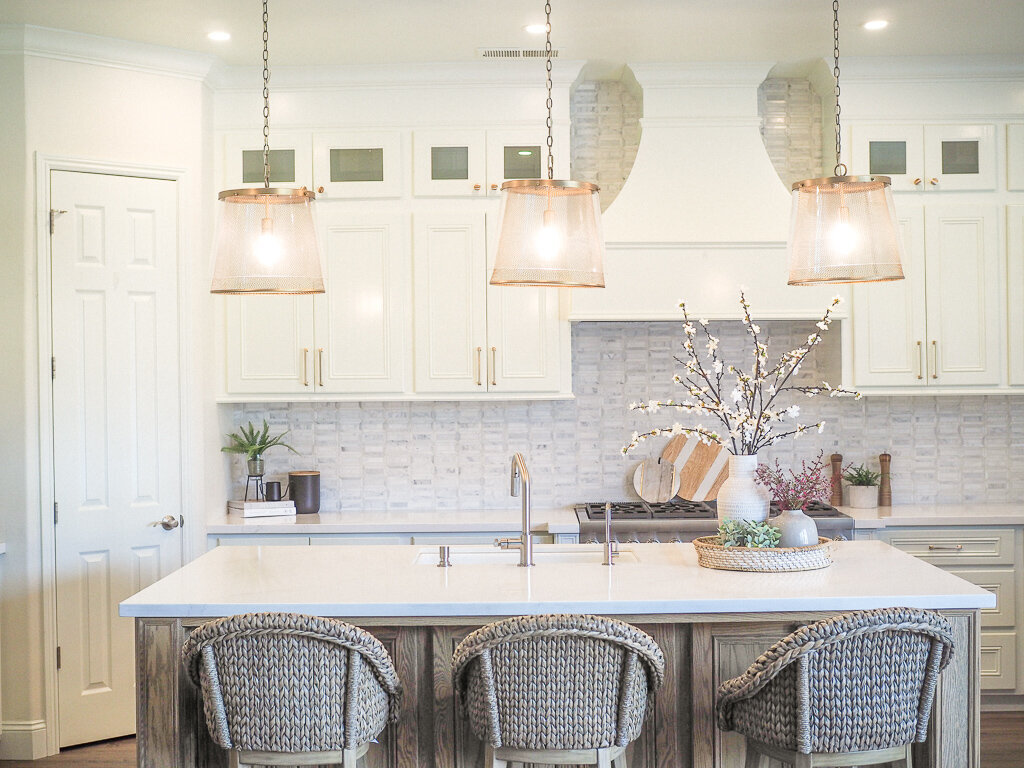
(520,486)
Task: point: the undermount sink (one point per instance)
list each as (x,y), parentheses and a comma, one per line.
(581,554)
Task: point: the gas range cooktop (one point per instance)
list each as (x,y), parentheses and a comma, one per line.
(680,509)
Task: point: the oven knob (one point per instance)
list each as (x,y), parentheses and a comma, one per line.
(653,539)
(634,538)
(677,539)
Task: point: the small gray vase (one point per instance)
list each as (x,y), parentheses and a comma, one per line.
(798,530)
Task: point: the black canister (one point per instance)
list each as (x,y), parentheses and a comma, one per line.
(304,490)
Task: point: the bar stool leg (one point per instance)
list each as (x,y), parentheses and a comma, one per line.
(753,759)
(490,761)
(604,759)
(620,761)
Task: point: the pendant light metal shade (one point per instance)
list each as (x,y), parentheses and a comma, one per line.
(266,242)
(550,234)
(843,229)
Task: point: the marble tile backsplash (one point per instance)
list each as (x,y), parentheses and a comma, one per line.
(428,455)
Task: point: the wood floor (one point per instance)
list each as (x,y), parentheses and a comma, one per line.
(1002,737)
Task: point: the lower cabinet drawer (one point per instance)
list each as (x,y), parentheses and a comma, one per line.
(950,546)
(998,661)
(1001,583)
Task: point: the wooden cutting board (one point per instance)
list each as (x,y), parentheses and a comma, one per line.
(656,480)
(702,468)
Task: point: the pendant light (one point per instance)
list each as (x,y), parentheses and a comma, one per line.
(550,231)
(266,238)
(843,228)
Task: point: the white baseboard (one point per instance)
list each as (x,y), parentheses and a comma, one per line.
(23,740)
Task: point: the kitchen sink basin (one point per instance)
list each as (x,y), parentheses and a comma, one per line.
(572,554)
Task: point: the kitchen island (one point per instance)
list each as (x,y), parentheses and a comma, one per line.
(711,625)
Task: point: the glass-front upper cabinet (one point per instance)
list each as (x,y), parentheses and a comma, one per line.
(358,164)
(449,163)
(291,161)
(515,154)
(931,157)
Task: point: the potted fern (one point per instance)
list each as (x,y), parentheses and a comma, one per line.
(254,442)
(863,488)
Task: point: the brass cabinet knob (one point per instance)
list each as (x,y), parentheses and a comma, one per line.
(933,181)
(916,182)
(320,190)
(476,187)
(494,187)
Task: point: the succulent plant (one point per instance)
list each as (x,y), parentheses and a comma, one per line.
(747,533)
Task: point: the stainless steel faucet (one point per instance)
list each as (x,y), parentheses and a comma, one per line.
(520,486)
(611,548)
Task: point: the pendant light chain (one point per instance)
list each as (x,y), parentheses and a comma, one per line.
(266,100)
(840,169)
(550,102)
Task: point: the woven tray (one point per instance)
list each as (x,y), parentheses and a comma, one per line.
(711,554)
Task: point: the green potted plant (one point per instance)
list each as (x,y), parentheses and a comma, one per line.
(863,487)
(254,442)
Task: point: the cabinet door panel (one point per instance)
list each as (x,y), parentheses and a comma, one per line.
(515,154)
(1015,278)
(964,295)
(449,298)
(889,318)
(449,163)
(361,321)
(269,344)
(358,164)
(291,159)
(895,151)
(1015,157)
(960,156)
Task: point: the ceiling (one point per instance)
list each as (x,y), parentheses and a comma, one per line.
(607,33)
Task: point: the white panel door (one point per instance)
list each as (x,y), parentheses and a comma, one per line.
(524,334)
(889,318)
(269,344)
(960,157)
(449,301)
(895,151)
(965,295)
(1015,278)
(361,324)
(116,431)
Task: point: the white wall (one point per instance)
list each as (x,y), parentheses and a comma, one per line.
(111,113)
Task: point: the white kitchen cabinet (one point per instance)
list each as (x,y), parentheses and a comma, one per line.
(519,153)
(351,339)
(354,164)
(291,159)
(1015,157)
(1015,279)
(942,326)
(450,163)
(950,157)
(472,337)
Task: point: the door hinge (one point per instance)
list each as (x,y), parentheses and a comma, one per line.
(56,513)
(53,368)
(58,657)
(54,213)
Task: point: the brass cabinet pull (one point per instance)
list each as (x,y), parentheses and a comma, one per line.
(476,187)
(305,367)
(494,187)
(494,366)
(920,365)
(935,359)
(916,182)
(945,547)
(320,360)
(933,181)
(479,381)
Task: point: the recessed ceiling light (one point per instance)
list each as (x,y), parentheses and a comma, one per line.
(219,36)
(536,29)
(876,24)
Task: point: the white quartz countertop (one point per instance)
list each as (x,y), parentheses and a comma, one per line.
(558,520)
(937,515)
(403,581)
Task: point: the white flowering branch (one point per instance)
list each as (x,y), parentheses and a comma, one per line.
(749,415)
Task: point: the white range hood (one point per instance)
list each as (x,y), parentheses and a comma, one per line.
(703,211)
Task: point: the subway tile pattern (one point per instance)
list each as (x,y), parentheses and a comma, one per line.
(423,455)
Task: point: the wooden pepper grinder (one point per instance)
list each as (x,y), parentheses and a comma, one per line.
(885,486)
(837,480)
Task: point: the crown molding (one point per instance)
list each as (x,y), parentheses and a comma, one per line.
(916,69)
(457,74)
(700,74)
(63,45)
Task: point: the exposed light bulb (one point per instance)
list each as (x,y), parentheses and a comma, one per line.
(843,238)
(267,247)
(549,238)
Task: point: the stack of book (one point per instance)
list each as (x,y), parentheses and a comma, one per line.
(261,508)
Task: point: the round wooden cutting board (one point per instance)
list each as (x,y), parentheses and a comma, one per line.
(656,480)
(701,468)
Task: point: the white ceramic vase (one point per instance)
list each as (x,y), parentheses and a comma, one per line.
(797,529)
(862,496)
(740,497)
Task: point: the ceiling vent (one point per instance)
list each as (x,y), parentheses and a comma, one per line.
(514,53)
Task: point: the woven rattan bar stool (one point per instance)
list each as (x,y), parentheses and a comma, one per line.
(856,689)
(287,689)
(560,690)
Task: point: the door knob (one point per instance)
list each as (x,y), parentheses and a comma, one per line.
(167,522)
